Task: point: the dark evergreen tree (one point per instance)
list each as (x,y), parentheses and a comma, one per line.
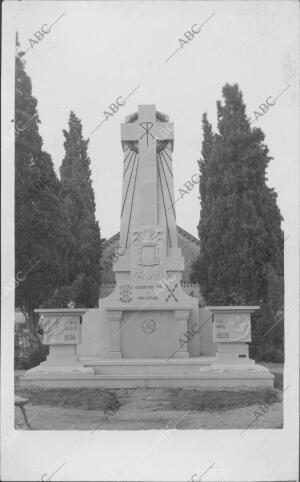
(207,146)
(81,272)
(241,258)
(39,223)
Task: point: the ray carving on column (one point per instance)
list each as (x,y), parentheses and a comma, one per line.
(164,203)
(166,160)
(132,198)
(167,183)
(131,156)
(128,184)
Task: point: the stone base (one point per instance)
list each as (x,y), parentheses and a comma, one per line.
(62,360)
(115,355)
(181,354)
(152,373)
(45,369)
(234,368)
(232,360)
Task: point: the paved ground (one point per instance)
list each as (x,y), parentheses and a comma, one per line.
(150,409)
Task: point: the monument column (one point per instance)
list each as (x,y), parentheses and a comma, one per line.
(114,318)
(181,317)
(147,195)
(142,179)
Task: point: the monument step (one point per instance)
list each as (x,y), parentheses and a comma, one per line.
(205,360)
(239,378)
(137,366)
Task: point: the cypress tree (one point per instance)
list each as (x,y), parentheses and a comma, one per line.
(207,146)
(82,258)
(39,223)
(241,258)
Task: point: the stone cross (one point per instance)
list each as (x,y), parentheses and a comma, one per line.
(147,131)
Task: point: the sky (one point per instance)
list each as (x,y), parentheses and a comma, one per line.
(99,51)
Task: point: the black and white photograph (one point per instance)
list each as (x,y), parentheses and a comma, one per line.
(150,240)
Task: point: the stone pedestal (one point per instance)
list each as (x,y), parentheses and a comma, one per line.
(62,355)
(231,333)
(62,332)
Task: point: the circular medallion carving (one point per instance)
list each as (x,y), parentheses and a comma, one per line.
(149,326)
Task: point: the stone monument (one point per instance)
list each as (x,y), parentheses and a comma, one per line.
(135,337)
(148,274)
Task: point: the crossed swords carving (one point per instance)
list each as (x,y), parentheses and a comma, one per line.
(171,293)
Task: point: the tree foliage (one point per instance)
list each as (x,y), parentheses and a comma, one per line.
(81,265)
(241,257)
(57,239)
(39,222)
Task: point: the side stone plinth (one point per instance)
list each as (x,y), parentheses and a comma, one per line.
(232,333)
(62,332)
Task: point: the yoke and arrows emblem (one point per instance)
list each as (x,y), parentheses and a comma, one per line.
(171,292)
(147,130)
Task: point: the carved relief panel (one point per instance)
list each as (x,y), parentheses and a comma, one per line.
(232,328)
(148,254)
